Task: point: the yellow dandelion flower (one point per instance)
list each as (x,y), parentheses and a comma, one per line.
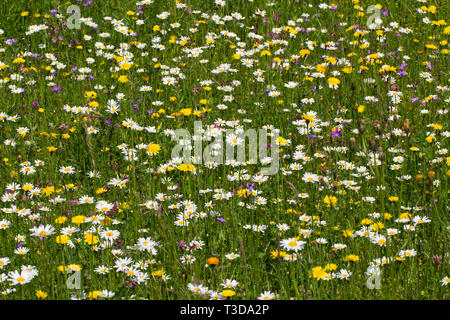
(319,273)
(123,79)
(228,293)
(352,258)
(94,294)
(62,239)
(186,167)
(330,267)
(89,238)
(330,201)
(48,190)
(79,219)
(153,149)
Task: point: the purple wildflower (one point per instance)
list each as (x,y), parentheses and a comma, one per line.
(336,133)
(250,186)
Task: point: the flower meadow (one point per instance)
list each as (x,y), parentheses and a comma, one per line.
(94,204)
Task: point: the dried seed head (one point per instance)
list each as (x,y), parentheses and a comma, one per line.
(381,154)
(362,126)
(378,128)
(437,259)
(372,144)
(352,144)
(406,124)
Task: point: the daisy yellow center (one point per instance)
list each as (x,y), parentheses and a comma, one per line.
(292,244)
